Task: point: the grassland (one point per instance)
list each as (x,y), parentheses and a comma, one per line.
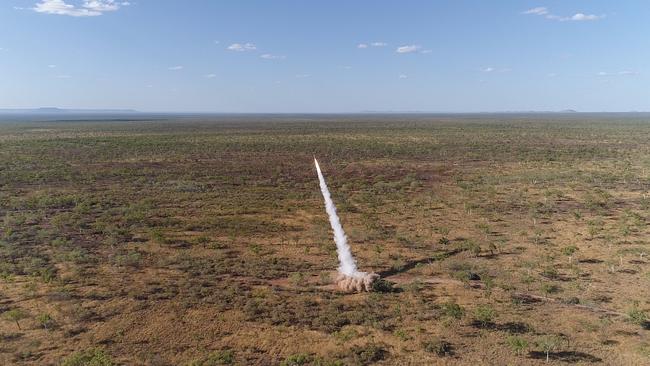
(204,241)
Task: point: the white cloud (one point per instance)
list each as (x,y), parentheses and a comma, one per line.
(408,48)
(175,68)
(101,6)
(51,66)
(619,73)
(426,51)
(577,17)
(268,56)
(494,69)
(540,10)
(217,42)
(89,8)
(580,17)
(210,76)
(302,76)
(242,47)
(403,76)
(372,44)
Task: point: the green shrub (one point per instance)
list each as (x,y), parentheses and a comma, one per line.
(438,346)
(549,288)
(472,247)
(550,272)
(452,310)
(484,314)
(131,259)
(90,357)
(382,285)
(570,250)
(345,335)
(637,316)
(401,334)
(517,344)
(297,279)
(296,360)
(368,354)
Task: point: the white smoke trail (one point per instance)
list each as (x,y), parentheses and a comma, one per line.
(348,265)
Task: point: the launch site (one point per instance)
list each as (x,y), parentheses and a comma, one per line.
(324,183)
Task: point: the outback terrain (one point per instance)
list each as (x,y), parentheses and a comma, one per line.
(501,240)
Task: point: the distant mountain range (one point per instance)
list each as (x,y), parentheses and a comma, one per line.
(482,112)
(53,110)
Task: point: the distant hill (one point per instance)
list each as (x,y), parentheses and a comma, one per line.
(54,110)
(460,112)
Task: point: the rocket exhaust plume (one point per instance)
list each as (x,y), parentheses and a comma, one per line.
(348,265)
(349,278)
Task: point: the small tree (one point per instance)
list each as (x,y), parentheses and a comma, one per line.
(45,320)
(548,344)
(549,288)
(569,252)
(15,315)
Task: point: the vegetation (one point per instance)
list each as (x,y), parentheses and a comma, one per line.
(517,344)
(548,344)
(15,315)
(91,357)
(484,315)
(438,346)
(203,241)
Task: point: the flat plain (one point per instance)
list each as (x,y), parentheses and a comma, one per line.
(503,240)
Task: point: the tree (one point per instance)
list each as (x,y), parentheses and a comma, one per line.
(549,343)
(15,315)
(569,252)
(45,320)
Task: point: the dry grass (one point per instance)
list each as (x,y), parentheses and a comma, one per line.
(205,242)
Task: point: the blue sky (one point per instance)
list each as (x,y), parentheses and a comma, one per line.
(325,56)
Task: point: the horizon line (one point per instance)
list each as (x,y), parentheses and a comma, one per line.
(57,110)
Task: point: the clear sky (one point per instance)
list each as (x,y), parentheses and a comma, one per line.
(326,56)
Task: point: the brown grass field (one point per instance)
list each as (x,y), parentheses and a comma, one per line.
(505,239)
